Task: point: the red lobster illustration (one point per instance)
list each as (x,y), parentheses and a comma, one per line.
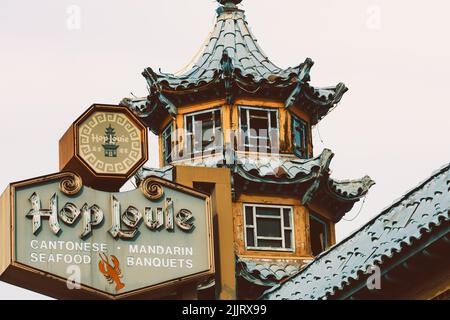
(112,273)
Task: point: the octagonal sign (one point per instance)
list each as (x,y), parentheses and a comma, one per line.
(106,146)
(67,240)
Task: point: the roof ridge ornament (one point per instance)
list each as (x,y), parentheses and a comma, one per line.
(228,5)
(224,2)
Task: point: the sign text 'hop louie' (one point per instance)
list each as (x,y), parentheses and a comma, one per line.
(122,243)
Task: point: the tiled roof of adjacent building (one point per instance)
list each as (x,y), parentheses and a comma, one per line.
(421,211)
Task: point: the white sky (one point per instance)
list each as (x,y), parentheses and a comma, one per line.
(393,55)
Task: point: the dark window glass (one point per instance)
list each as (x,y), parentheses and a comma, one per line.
(263,211)
(288,239)
(167,144)
(217,118)
(244,119)
(273,120)
(268,227)
(319,237)
(249,216)
(189,127)
(259,122)
(287,217)
(300,137)
(250,237)
(270,243)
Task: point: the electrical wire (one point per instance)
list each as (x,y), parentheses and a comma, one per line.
(318,132)
(359,212)
(196,56)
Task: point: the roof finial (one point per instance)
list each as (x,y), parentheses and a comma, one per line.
(224,2)
(227,6)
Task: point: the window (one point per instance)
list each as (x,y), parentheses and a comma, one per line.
(319,234)
(203,132)
(259,129)
(300,137)
(268,228)
(167,136)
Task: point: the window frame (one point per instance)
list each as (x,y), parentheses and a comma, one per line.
(283,227)
(303,150)
(270,129)
(316,217)
(213,150)
(163,137)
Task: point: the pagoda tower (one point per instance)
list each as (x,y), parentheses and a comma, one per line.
(235,111)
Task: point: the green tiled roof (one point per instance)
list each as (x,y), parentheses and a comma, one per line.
(421,211)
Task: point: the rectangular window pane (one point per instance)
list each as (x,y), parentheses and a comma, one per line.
(259,122)
(244,119)
(300,137)
(287,217)
(249,216)
(273,120)
(268,227)
(288,239)
(203,132)
(270,243)
(167,144)
(217,118)
(250,237)
(259,129)
(263,211)
(189,127)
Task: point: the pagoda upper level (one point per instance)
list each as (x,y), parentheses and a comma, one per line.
(233,66)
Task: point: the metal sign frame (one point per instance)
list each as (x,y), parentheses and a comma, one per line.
(43,282)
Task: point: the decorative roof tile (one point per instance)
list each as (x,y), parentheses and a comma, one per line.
(308,178)
(268,272)
(420,211)
(286,170)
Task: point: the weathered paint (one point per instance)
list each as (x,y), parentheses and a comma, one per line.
(222,208)
(300,213)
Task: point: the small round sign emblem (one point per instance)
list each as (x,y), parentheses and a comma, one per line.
(110,142)
(105,146)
